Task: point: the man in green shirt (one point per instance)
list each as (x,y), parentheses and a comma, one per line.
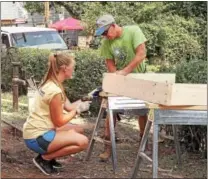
(124,51)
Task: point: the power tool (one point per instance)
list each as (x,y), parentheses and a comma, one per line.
(92,95)
(95,94)
(89,97)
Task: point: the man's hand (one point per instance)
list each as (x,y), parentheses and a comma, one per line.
(121,72)
(139,57)
(83,106)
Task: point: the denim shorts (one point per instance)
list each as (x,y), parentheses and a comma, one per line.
(41,143)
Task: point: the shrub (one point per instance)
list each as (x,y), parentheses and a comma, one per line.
(172,39)
(88,76)
(34,62)
(194,71)
(88,73)
(153,68)
(192,137)
(191,72)
(6,71)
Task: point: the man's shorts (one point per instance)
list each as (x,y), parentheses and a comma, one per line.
(41,143)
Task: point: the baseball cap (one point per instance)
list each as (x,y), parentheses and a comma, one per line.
(103,23)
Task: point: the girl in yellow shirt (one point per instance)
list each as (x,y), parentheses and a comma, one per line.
(47,130)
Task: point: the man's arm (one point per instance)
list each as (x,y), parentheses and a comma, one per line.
(111,65)
(139,57)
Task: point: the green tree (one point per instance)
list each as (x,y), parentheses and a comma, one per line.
(39,7)
(34,7)
(176,31)
(75,9)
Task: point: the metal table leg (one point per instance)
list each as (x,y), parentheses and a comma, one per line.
(155,144)
(113,143)
(177,145)
(92,141)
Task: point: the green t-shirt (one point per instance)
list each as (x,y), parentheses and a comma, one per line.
(123,49)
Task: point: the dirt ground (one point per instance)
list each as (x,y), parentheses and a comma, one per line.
(16,159)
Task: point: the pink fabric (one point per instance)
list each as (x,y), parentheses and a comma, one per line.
(67,24)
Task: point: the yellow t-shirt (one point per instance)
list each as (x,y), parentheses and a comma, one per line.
(39,120)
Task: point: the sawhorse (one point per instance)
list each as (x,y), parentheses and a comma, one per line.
(169,115)
(113,104)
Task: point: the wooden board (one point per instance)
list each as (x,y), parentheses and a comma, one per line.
(136,88)
(164,93)
(8,118)
(181,107)
(160,106)
(158,77)
(189,94)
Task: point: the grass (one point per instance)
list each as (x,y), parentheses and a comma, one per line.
(8,96)
(7,106)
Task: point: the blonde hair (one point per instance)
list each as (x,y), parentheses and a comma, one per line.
(55,61)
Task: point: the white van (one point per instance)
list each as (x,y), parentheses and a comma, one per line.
(32,37)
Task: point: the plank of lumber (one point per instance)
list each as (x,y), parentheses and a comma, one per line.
(189,94)
(17,124)
(158,77)
(155,92)
(160,106)
(172,107)
(169,94)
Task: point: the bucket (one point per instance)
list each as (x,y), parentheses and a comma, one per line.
(31,98)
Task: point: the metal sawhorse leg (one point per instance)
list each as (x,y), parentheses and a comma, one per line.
(141,155)
(92,140)
(169,117)
(112,133)
(174,117)
(114,104)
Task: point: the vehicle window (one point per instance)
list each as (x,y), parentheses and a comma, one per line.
(37,39)
(5,40)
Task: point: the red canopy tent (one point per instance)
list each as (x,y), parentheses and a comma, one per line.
(67,24)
